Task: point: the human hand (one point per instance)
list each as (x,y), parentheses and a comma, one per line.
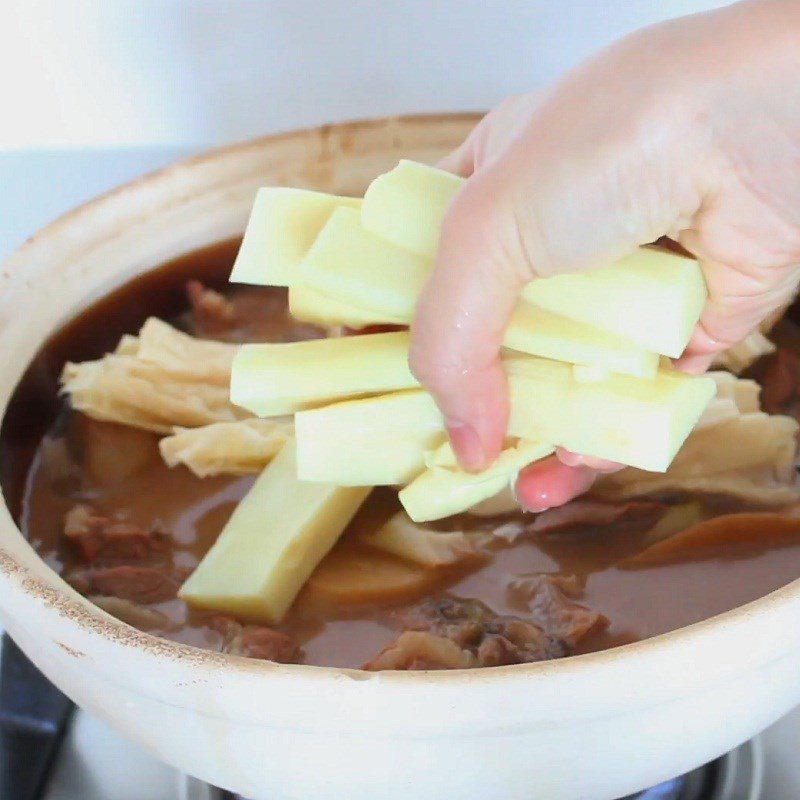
(689,129)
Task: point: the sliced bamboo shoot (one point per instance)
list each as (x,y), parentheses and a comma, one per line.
(441,491)
(275,379)
(349,268)
(624,419)
(720,537)
(352,265)
(676,519)
(540,332)
(651,297)
(406,206)
(378,441)
(354,575)
(310,305)
(399,536)
(282,227)
(273,541)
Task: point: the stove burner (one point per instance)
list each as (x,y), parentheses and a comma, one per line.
(735,776)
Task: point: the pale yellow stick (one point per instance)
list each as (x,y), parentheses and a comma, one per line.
(273,541)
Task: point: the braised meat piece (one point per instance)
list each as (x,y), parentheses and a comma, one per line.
(420,650)
(138,584)
(779,381)
(212,312)
(102,539)
(252,316)
(550,600)
(256,641)
(485,639)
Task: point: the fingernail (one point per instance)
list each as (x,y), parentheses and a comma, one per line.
(467,445)
(533,508)
(569,458)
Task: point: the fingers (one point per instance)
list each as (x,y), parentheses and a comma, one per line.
(492,136)
(576,187)
(738,301)
(461,318)
(571,459)
(549,483)
(461,161)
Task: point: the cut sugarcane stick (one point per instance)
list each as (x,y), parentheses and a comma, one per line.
(651,297)
(348,266)
(275,379)
(443,489)
(406,206)
(273,541)
(629,420)
(283,225)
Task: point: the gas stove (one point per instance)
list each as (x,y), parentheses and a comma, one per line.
(96,763)
(735,776)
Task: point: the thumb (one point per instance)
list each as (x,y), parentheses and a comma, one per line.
(462,314)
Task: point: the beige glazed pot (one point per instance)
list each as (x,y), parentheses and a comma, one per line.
(592,727)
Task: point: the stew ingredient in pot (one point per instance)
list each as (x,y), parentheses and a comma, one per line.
(637,558)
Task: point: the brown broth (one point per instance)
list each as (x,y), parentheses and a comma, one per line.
(44,474)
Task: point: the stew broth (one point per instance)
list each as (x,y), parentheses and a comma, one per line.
(53,459)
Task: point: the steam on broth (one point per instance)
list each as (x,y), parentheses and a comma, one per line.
(125,512)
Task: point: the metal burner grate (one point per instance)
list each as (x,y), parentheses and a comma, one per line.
(735,776)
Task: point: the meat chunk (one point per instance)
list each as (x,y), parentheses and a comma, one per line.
(550,601)
(246,314)
(256,641)
(138,584)
(213,313)
(779,381)
(484,638)
(421,650)
(102,539)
